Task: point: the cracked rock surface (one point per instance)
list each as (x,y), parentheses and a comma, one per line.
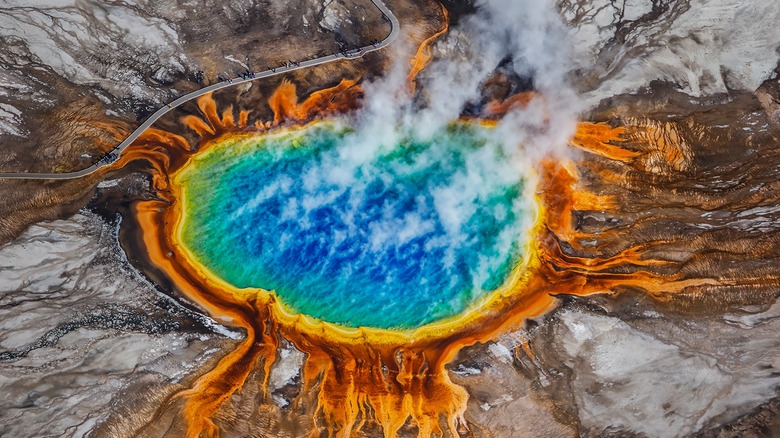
(81,332)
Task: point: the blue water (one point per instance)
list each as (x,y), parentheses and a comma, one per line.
(396,238)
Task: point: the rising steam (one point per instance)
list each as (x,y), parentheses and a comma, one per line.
(365,374)
(526,39)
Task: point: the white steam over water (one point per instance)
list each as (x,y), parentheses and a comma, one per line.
(527,33)
(531,34)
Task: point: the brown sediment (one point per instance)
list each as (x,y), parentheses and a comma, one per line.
(74,136)
(623,217)
(655,147)
(386,377)
(27,202)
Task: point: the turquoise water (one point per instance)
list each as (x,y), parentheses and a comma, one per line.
(357,234)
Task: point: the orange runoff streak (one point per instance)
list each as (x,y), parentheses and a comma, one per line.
(424,53)
(367,375)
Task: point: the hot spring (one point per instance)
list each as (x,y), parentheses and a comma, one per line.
(359,232)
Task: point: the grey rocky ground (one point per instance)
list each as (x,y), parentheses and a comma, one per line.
(121,61)
(84,338)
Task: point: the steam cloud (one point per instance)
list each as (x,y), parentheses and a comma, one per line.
(531,35)
(527,33)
